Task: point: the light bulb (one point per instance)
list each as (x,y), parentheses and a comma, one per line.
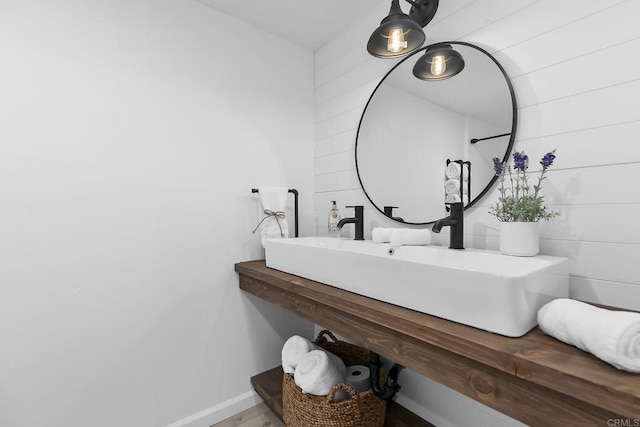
(396,41)
(438,65)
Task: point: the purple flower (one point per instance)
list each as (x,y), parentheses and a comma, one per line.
(498,166)
(547,160)
(520,161)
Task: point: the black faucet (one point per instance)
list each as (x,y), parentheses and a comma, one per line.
(388,211)
(456,221)
(358,220)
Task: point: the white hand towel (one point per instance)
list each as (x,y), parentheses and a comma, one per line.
(453,170)
(613,336)
(318,372)
(452,186)
(409,237)
(380,235)
(293,350)
(273,201)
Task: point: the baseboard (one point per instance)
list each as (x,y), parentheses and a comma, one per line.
(454,409)
(422,411)
(221,411)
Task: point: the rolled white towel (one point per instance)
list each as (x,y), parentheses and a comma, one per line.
(293,350)
(452,186)
(452,198)
(409,237)
(613,336)
(453,170)
(455,198)
(318,372)
(380,235)
(465,172)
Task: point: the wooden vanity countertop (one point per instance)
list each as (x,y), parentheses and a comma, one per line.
(535,378)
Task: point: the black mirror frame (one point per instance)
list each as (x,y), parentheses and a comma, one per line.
(514,126)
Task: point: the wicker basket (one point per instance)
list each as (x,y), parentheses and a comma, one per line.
(306,410)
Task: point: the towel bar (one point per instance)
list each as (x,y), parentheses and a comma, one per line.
(295,208)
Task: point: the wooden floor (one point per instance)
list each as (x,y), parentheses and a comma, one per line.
(258,416)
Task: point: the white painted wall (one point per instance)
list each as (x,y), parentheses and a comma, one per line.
(131,133)
(557,55)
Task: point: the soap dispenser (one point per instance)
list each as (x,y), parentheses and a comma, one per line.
(334,218)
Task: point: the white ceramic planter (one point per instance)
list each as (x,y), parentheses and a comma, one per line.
(519,238)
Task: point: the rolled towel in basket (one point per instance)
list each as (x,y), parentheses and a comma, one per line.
(318,372)
(409,237)
(613,336)
(293,350)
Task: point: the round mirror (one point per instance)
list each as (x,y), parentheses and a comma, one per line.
(411,127)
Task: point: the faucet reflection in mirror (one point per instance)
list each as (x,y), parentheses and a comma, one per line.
(388,211)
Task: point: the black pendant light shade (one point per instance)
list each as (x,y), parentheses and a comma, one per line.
(439,62)
(397,35)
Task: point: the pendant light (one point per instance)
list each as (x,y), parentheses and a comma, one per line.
(399,33)
(439,62)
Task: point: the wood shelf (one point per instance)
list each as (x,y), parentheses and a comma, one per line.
(268,385)
(535,379)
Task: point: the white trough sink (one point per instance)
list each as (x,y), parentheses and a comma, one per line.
(479,288)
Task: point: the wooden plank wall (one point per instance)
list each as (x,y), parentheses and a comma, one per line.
(576,72)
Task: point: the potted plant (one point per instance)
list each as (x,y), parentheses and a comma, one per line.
(520,205)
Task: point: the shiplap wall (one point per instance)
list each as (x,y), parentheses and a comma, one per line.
(575,68)
(576,74)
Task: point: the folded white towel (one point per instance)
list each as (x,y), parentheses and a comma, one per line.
(318,372)
(293,350)
(613,336)
(453,170)
(273,202)
(380,235)
(452,186)
(409,237)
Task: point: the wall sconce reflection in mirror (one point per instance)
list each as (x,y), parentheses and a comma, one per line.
(474,140)
(439,62)
(399,33)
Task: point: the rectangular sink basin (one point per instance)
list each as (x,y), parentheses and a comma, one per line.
(479,288)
